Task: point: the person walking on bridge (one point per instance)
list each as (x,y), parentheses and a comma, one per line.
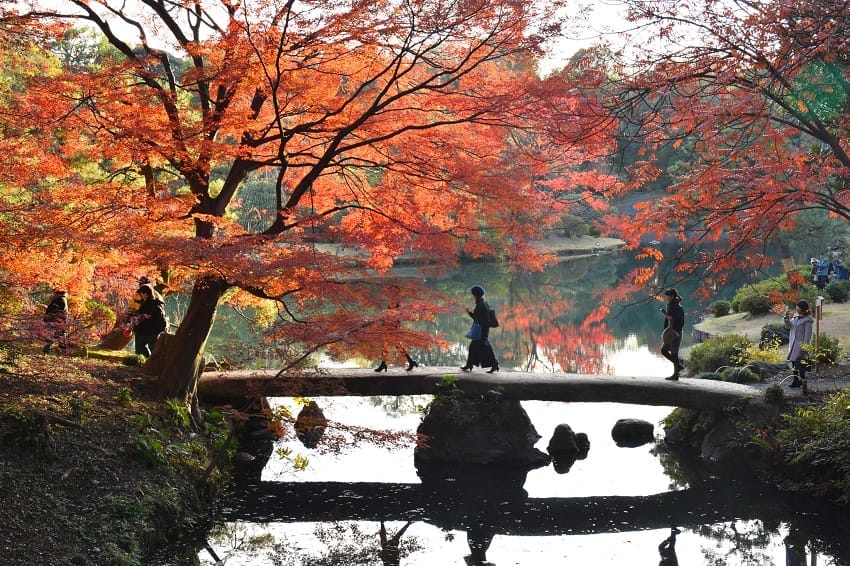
(674,321)
(480,351)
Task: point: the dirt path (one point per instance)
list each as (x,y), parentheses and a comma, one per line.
(835,323)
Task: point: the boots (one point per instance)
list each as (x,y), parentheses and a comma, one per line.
(411,363)
(382,367)
(796,382)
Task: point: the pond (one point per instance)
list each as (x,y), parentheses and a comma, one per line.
(614,507)
(329,505)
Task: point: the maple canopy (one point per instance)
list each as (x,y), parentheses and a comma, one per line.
(752,99)
(217,142)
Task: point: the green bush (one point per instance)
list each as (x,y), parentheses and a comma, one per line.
(720,308)
(817,439)
(838,291)
(738,375)
(827,352)
(761,297)
(718,351)
(730,374)
(774,395)
(573,226)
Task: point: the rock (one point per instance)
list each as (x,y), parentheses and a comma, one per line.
(563,440)
(632,432)
(465,431)
(310,424)
(243,458)
(583,443)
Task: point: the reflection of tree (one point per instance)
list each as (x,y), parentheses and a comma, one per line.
(748,540)
(346,544)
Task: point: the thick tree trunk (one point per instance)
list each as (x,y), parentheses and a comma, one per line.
(177,360)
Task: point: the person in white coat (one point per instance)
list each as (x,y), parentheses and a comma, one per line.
(800,332)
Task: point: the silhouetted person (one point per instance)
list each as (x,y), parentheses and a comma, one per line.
(667,549)
(479,540)
(674,322)
(149,320)
(56,320)
(390,552)
(795,549)
(480,350)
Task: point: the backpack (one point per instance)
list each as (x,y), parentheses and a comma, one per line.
(494,322)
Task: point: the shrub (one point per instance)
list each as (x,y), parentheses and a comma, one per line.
(769,350)
(774,395)
(758,298)
(738,375)
(718,351)
(720,308)
(838,291)
(827,352)
(817,439)
(573,226)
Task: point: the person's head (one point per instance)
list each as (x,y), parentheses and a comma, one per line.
(145,291)
(672,295)
(59,292)
(477,291)
(802,307)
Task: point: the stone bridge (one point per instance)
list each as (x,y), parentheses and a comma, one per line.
(522,386)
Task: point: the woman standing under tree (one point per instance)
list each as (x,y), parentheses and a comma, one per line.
(480,351)
(800,332)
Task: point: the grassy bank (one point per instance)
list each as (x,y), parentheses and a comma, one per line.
(95,469)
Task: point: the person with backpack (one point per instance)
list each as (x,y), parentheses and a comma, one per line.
(149,320)
(480,350)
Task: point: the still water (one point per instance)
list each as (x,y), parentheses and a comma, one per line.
(617,506)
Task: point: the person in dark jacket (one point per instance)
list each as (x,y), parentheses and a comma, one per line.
(56,320)
(149,321)
(480,350)
(674,322)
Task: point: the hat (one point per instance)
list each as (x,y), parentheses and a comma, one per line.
(671,292)
(477,290)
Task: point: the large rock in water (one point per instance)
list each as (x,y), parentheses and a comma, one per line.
(487,431)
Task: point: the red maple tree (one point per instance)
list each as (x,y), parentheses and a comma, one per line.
(753,101)
(389,128)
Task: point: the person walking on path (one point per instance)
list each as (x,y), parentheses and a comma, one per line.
(799,332)
(150,320)
(56,320)
(671,338)
(480,350)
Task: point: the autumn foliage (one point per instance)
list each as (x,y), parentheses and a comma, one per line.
(222,146)
(751,102)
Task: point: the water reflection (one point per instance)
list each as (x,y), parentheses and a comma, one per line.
(365,504)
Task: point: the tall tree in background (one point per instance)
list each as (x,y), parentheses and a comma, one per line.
(390,127)
(754,97)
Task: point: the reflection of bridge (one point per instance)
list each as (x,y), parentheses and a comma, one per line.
(482,507)
(692,393)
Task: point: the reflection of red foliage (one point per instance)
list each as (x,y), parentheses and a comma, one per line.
(548,341)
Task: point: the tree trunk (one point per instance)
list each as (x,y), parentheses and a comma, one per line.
(177,360)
